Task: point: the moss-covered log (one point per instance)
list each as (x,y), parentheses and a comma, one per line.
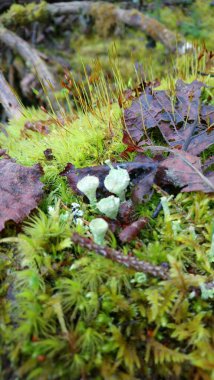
(133,18)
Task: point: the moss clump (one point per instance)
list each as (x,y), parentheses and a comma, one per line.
(105,19)
(79,313)
(85,141)
(194,21)
(25,14)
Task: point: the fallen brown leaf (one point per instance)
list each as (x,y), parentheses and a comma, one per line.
(20,190)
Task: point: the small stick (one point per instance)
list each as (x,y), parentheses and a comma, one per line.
(129,261)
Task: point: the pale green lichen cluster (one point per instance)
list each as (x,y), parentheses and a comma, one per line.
(115,182)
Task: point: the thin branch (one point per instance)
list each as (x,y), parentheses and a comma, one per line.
(31,58)
(129,261)
(130,17)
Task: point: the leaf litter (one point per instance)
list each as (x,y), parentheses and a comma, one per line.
(20,190)
(185,125)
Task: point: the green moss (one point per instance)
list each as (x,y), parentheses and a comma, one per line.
(105,19)
(25,14)
(74,308)
(85,141)
(68,313)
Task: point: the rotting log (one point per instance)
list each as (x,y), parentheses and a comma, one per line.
(130,17)
(8,100)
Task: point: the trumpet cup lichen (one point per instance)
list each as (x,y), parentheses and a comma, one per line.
(109,206)
(98,228)
(88,186)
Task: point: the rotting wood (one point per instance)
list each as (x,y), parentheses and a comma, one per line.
(8,100)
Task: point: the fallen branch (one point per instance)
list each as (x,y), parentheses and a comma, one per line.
(128,261)
(8,99)
(31,58)
(130,17)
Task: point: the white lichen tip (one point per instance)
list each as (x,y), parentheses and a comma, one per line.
(88,185)
(109,206)
(98,228)
(117,181)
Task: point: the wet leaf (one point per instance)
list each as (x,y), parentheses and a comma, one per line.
(137,170)
(184,171)
(174,119)
(20,190)
(188,98)
(184,123)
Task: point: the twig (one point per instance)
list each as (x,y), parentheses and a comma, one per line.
(157,210)
(128,261)
(130,17)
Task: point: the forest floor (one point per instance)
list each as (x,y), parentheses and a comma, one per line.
(107,219)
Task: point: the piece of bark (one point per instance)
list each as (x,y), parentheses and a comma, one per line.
(8,100)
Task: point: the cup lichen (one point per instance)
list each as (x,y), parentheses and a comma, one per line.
(98,228)
(88,186)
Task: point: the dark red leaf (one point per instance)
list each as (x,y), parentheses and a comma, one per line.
(184,171)
(132,231)
(40,126)
(201,142)
(208,163)
(143,190)
(145,113)
(20,190)
(48,154)
(207,114)
(136,170)
(2,152)
(188,98)
(126,214)
(154,109)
